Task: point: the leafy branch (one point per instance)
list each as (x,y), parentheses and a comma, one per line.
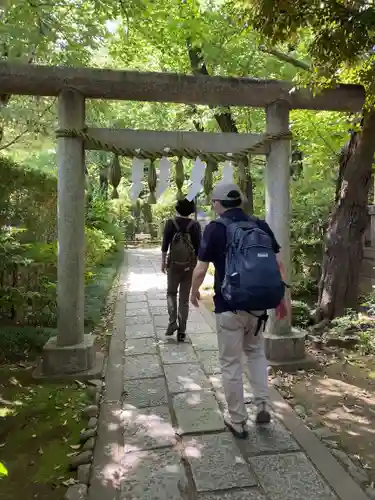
(27,129)
(286,58)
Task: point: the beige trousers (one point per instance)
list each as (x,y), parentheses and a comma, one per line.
(235,338)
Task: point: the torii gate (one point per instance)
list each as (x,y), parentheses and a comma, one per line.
(73,352)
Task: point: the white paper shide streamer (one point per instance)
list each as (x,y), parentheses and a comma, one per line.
(137,178)
(164,174)
(228,173)
(197,175)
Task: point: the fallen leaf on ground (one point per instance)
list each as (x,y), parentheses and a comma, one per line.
(69,482)
(15,382)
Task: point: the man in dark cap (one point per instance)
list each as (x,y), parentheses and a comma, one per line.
(240,321)
(181,238)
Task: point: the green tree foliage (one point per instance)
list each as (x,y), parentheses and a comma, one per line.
(338,37)
(63,32)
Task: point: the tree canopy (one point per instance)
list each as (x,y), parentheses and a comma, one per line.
(338,36)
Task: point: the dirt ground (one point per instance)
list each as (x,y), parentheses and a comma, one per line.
(340,396)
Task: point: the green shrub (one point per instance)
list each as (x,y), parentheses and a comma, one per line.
(358,325)
(18,342)
(97,245)
(28,247)
(99,286)
(367,342)
(301,314)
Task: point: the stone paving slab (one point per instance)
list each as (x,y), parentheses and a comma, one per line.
(144,366)
(146,392)
(216,463)
(217,382)
(138,320)
(159,310)
(197,412)
(172,352)
(158,303)
(210,361)
(140,331)
(152,475)
(248,494)
(198,327)
(130,306)
(156,295)
(291,476)
(140,346)
(165,339)
(161,321)
(147,428)
(273,438)
(160,333)
(185,377)
(140,311)
(204,341)
(195,316)
(135,297)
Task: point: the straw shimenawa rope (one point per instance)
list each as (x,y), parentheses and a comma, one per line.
(187,153)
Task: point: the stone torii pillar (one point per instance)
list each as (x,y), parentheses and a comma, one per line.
(284,345)
(71,352)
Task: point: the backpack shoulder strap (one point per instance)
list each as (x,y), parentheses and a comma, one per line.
(224,221)
(175,223)
(190,225)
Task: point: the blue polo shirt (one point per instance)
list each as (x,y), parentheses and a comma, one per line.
(213,249)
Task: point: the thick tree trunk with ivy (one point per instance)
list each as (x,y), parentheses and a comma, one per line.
(223,117)
(343,252)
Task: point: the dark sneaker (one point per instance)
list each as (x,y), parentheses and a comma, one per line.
(171,330)
(238,430)
(263,414)
(181,337)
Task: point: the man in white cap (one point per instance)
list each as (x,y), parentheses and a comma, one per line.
(240,311)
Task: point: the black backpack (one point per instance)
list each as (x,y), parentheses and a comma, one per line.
(182,252)
(252,279)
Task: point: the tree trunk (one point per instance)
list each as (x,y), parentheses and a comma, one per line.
(343,251)
(224,117)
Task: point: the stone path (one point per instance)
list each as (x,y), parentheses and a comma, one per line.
(161,432)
